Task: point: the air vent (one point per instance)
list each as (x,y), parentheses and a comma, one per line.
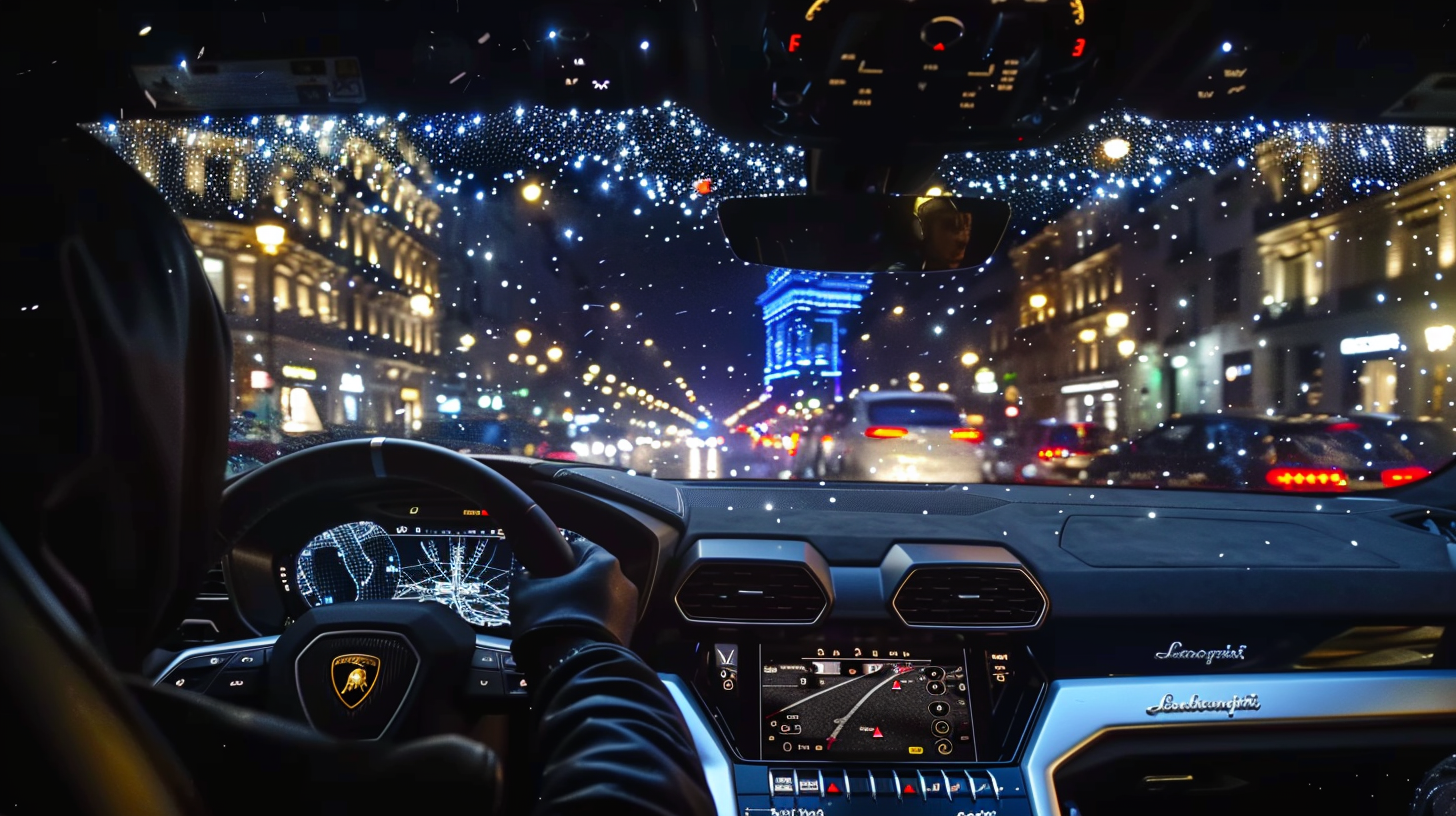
(1436,522)
(215,585)
(735,591)
(970,597)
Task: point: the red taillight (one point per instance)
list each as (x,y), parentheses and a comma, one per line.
(791,444)
(1342,427)
(1308,479)
(561,456)
(1399,476)
(968,434)
(885,432)
(1053,453)
(825,439)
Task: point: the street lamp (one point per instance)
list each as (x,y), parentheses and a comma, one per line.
(1116,322)
(271,236)
(523,336)
(1087,335)
(1037,301)
(970,358)
(531,192)
(467,341)
(1126,347)
(554,354)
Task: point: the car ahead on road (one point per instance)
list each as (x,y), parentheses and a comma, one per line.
(1431,441)
(1048,452)
(894,436)
(1222,451)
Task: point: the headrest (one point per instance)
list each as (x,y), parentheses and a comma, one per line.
(113,427)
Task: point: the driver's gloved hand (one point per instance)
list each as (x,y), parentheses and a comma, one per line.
(551,618)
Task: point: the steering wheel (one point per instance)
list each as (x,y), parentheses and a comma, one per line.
(371,669)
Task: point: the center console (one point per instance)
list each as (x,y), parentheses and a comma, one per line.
(857,727)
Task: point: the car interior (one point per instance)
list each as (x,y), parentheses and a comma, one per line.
(1115,636)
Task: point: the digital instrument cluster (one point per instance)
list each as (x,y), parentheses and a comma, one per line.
(466,570)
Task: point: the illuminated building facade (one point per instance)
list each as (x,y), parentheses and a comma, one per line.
(339,325)
(804,315)
(1240,291)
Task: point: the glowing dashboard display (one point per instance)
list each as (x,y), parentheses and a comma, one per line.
(466,570)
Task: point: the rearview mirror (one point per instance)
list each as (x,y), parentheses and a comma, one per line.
(864,233)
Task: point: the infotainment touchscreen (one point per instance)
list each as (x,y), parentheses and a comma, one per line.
(850,705)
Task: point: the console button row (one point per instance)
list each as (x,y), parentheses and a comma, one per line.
(884,785)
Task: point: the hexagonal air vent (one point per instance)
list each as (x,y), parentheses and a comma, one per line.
(972,597)
(737,591)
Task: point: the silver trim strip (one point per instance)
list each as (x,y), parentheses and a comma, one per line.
(214,648)
(717,768)
(492,642)
(1077,712)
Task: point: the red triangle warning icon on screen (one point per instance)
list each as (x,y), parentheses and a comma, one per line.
(938,47)
(833,788)
(896,687)
(909,789)
(877,734)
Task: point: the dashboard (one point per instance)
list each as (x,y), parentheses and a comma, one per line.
(982,649)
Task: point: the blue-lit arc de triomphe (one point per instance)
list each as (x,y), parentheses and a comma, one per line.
(803,318)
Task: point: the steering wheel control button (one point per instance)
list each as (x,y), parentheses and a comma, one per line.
(934,673)
(486,659)
(211,661)
(940,708)
(935,687)
(352,684)
(251,659)
(486,683)
(516,684)
(940,727)
(232,684)
(190,679)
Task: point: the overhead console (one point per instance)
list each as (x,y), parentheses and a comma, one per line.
(927,71)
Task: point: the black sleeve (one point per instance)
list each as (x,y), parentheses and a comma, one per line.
(609,739)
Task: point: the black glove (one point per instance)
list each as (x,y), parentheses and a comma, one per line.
(550,617)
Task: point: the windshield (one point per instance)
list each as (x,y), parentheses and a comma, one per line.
(554,283)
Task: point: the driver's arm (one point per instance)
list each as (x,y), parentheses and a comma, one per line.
(608,734)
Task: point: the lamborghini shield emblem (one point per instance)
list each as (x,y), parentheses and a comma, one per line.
(354,676)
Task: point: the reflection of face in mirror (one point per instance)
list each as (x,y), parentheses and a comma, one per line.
(946,233)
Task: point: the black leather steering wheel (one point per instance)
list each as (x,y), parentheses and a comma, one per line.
(535,539)
(371,669)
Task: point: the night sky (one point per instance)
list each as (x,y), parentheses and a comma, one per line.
(625,222)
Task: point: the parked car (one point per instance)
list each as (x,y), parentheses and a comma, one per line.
(1260,453)
(1048,452)
(894,436)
